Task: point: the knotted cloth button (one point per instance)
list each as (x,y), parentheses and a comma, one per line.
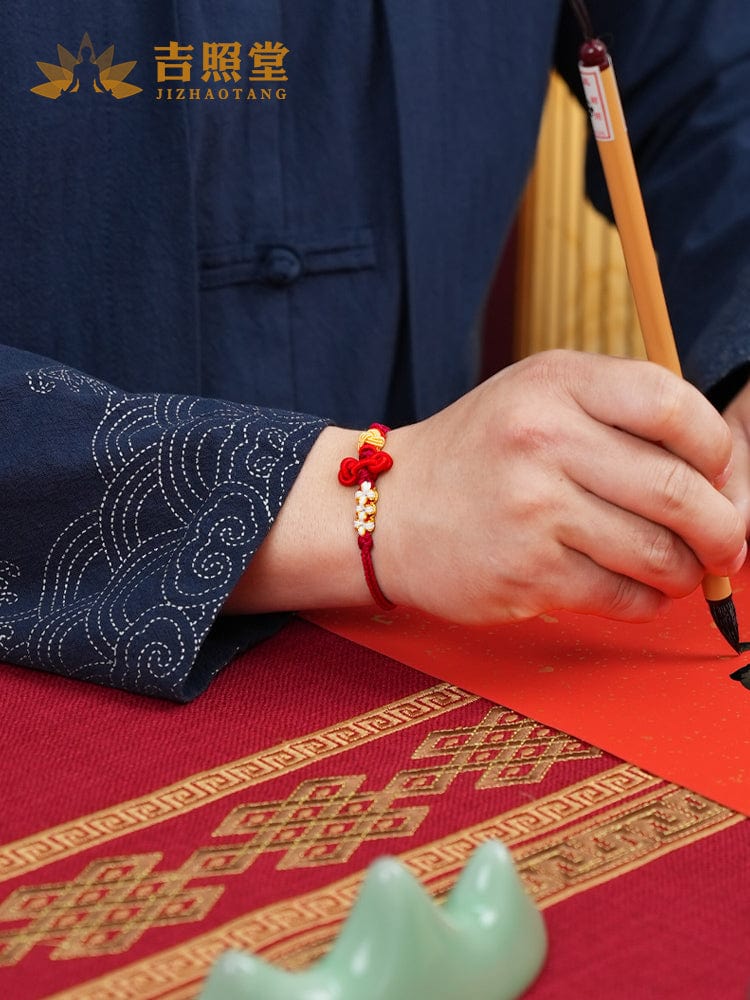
(281,266)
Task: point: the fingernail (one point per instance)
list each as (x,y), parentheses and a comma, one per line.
(737,564)
(721,480)
(743,508)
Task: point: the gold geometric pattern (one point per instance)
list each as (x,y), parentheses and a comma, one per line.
(114,901)
(557,842)
(508,748)
(207,787)
(325,821)
(592,850)
(569,860)
(106,909)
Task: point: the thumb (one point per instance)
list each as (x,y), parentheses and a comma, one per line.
(737,488)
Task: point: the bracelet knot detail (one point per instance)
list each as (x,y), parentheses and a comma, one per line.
(352,470)
(362,471)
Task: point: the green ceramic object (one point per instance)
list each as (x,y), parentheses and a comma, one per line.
(487,942)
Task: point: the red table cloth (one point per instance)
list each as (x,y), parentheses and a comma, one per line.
(138,839)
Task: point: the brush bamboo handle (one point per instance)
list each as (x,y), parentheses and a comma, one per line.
(640,257)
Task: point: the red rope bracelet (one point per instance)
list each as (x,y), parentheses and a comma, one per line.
(363,471)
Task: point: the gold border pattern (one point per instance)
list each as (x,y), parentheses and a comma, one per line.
(583,835)
(113,901)
(207,787)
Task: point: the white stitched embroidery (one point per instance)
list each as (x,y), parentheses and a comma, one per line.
(181,492)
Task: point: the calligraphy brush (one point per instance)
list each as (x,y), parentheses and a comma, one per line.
(610,132)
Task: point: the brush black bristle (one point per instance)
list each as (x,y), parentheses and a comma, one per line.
(742,675)
(725,616)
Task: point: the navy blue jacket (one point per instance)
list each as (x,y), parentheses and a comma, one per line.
(184,279)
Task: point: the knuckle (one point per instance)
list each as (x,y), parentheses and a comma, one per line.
(532,433)
(533,510)
(675,488)
(661,554)
(624,600)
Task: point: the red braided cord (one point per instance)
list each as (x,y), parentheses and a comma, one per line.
(353,471)
(365,549)
(368,465)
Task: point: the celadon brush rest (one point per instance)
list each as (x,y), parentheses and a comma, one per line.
(486,942)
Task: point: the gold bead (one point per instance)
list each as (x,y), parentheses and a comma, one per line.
(371,437)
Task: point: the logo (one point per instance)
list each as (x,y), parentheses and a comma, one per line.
(86,75)
(221,63)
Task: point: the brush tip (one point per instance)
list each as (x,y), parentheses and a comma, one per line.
(725,617)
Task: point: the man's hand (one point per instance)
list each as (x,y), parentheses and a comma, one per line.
(737,416)
(567,481)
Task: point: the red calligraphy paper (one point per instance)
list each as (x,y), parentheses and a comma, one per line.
(658,695)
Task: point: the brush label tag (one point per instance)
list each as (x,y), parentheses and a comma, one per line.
(596,102)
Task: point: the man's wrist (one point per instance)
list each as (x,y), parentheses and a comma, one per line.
(309,559)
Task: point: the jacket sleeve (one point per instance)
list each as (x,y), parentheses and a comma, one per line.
(127,520)
(683,72)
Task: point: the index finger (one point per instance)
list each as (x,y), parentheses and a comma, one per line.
(650,402)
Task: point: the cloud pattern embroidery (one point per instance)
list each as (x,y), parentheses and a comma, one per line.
(186,489)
